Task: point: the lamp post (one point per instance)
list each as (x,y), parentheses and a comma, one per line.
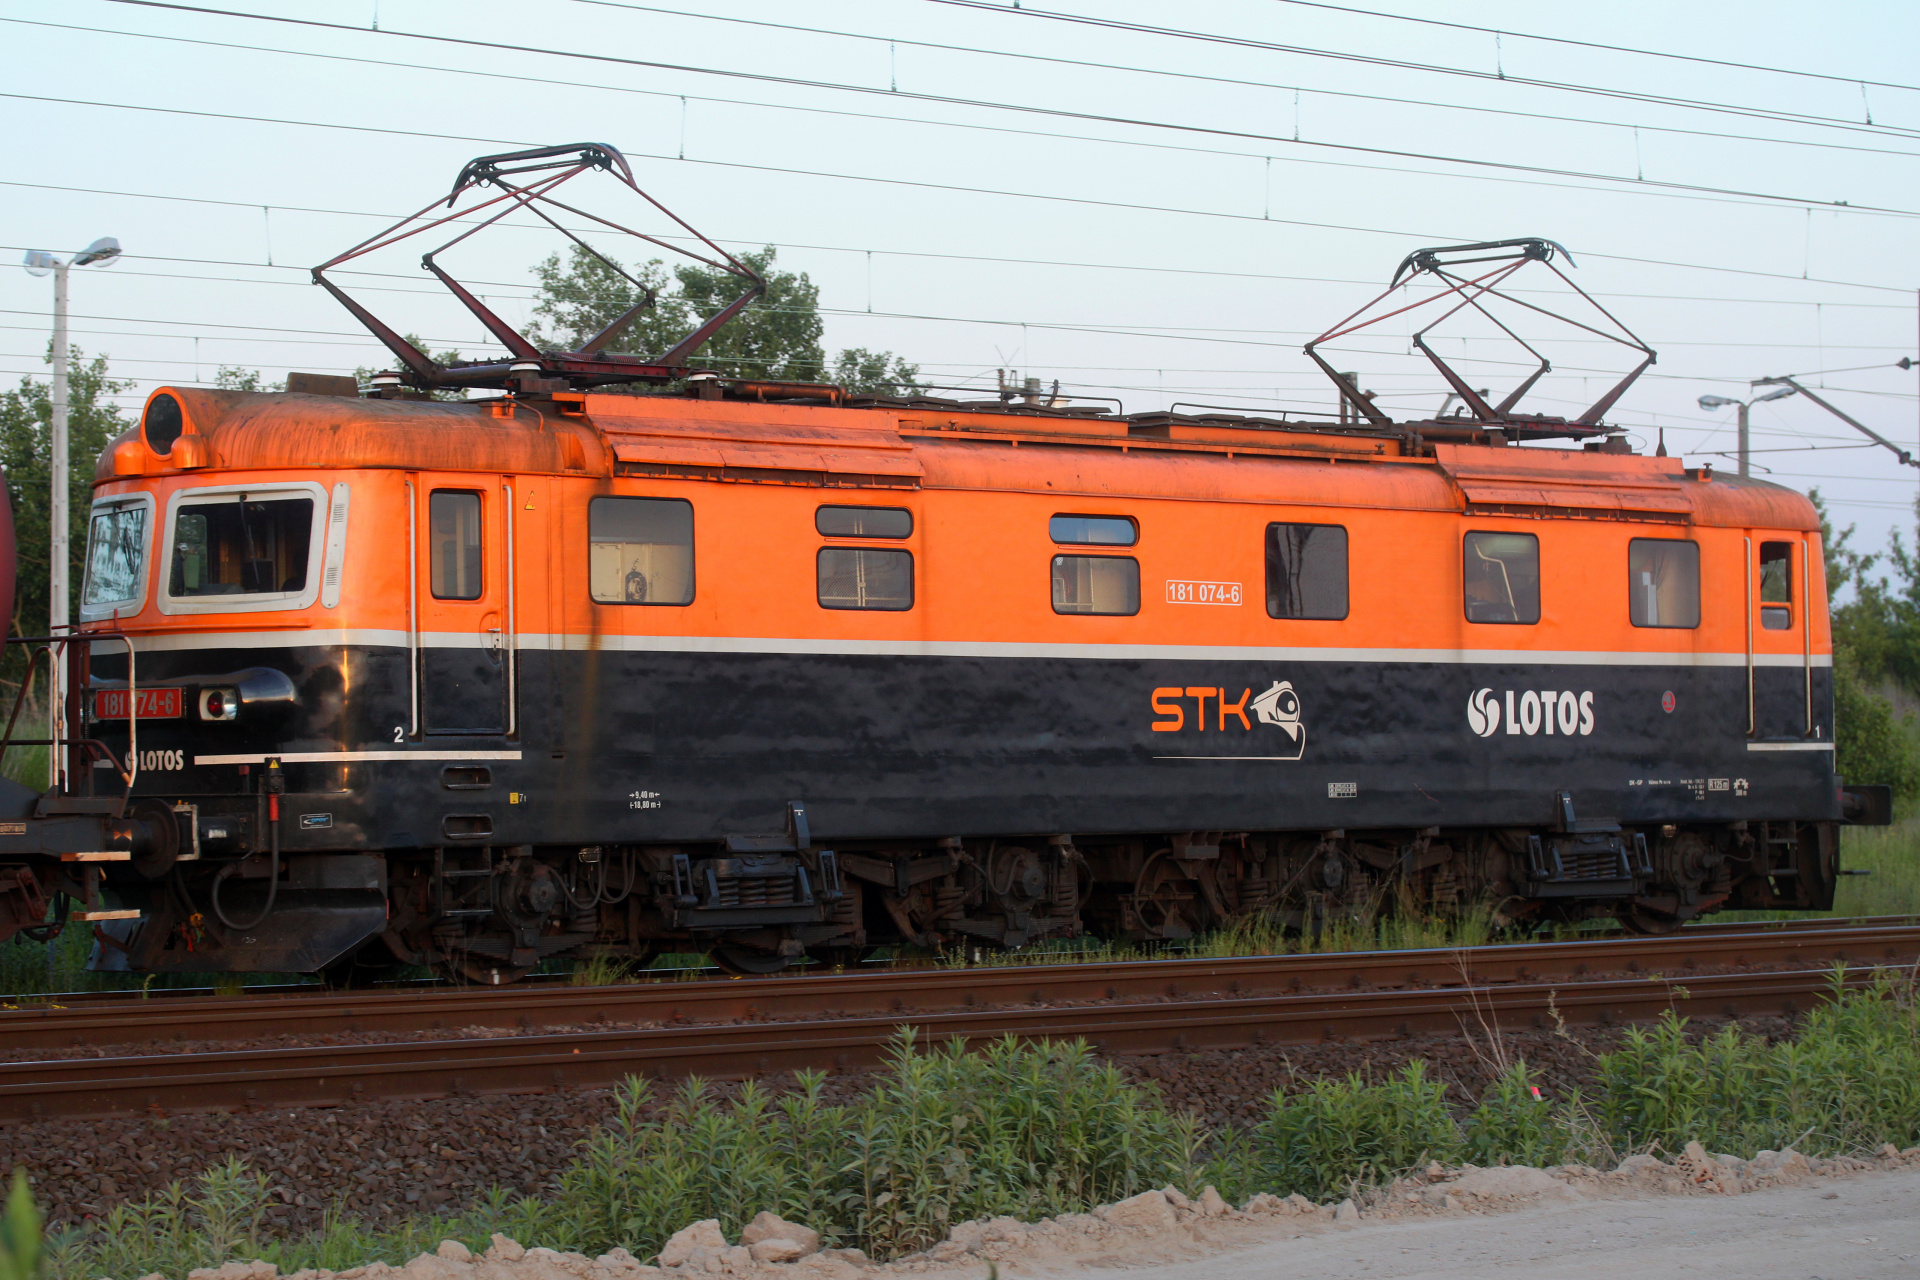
(1721,402)
(38,262)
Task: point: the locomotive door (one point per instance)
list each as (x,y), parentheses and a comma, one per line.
(465,605)
(1779,642)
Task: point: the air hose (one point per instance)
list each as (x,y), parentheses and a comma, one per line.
(275,783)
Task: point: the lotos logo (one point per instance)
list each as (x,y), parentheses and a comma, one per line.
(1483,713)
(1530,712)
(1279,707)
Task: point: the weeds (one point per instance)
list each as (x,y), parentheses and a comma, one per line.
(1849,1080)
(603,970)
(20,1232)
(944,1137)
(1337,1134)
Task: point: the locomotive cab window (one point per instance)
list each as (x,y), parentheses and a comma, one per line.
(116,555)
(1776,585)
(863,522)
(1501,577)
(1306,571)
(1096,584)
(454,544)
(252,546)
(865,578)
(1663,582)
(640,550)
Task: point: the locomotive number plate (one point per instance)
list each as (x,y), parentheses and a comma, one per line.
(1179,592)
(154,704)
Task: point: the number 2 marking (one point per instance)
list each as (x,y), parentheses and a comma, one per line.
(399,734)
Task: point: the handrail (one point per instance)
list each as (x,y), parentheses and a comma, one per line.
(79,678)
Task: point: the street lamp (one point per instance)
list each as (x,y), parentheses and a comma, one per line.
(1721,402)
(38,262)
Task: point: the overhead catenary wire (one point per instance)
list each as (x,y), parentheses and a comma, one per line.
(1716,135)
(1639,186)
(251,205)
(1175,73)
(1500,77)
(1222,214)
(1699,59)
(988,104)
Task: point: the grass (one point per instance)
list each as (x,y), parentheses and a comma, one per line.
(1031,1130)
(1891,856)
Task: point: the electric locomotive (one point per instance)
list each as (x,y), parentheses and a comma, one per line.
(776,671)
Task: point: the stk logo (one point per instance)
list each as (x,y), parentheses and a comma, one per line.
(1278,707)
(1483,713)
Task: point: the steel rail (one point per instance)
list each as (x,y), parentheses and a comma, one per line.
(36,1000)
(517,1009)
(335,1075)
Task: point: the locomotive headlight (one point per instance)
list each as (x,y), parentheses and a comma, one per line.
(219,704)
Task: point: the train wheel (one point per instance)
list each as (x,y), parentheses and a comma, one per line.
(1648,923)
(748,962)
(1168,904)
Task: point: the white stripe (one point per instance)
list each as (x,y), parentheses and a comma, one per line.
(288,638)
(1155,652)
(1789,746)
(356,757)
(797,646)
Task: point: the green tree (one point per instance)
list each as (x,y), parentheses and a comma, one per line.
(26,419)
(777,336)
(1871,744)
(1879,627)
(876,373)
(234,378)
(585,295)
(363,375)
(1876,642)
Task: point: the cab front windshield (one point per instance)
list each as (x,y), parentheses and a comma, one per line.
(116,553)
(241,546)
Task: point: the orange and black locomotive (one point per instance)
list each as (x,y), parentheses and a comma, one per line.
(779,672)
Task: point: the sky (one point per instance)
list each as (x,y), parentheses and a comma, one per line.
(1155,204)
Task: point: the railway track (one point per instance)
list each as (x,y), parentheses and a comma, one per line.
(739,1028)
(312,990)
(521,1009)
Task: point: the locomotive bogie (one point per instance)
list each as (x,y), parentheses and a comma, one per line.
(581,674)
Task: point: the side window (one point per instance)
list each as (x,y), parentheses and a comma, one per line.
(1776,585)
(865,578)
(640,550)
(1500,577)
(1096,584)
(116,555)
(241,545)
(1306,571)
(1663,582)
(1105,531)
(453,544)
(863,522)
